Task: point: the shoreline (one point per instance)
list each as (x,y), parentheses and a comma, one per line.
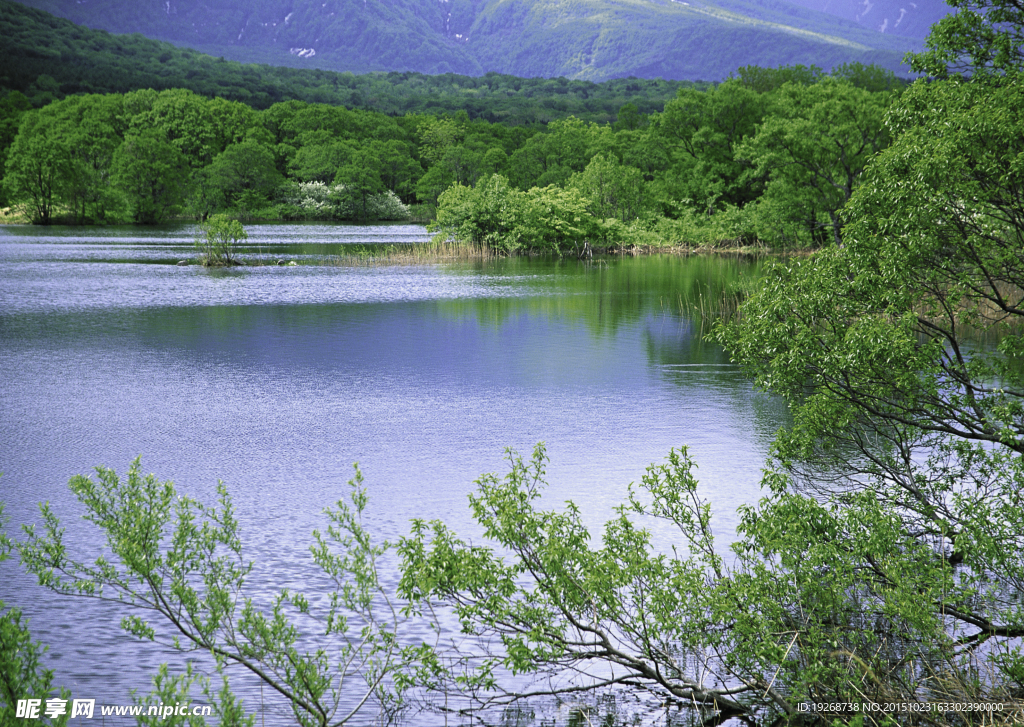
(429,251)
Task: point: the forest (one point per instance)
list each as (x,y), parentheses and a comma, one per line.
(768,157)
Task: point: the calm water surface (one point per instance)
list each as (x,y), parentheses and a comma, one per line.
(277,379)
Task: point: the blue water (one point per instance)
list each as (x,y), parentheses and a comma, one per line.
(276,380)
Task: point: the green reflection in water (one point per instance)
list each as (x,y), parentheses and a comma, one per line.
(607,293)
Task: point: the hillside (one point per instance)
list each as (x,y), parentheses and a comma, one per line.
(911,19)
(47,58)
(578,39)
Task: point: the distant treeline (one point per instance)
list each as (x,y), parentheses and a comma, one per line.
(771,155)
(47,58)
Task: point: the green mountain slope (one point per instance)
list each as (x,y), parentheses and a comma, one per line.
(607,38)
(46,58)
(910,18)
(587,39)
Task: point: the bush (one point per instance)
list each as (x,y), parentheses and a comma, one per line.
(217,239)
(733,226)
(320,201)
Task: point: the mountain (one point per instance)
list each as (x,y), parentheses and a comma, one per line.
(579,39)
(893,17)
(47,58)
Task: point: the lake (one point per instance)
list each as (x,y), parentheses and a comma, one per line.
(276,380)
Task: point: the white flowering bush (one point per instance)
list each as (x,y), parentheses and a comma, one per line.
(320,201)
(387,206)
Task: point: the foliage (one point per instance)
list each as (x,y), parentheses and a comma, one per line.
(649,178)
(900,352)
(180,562)
(319,201)
(314,200)
(982,38)
(245,174)
(571,617)
(812,148)
(151,173)
(217,239)
(60,160)
(704,131)
(613,190)
(203,156)
(361,182)
(495,215)
(764,80)
(12,106)
(36,167)
(730,165)
(795,619)
(729,227)
(176,689)
(21,674)
(484,215)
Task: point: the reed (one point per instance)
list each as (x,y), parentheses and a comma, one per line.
(361,255)
(708,305)
(408,254)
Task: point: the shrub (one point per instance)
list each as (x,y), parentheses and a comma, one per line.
(217,239)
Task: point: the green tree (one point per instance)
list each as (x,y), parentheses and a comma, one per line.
(361,180)
(765,80)
(399,171)
(185,119)
(886,561)
(484,215)
(869,77)
(982,38)
(37,165)
(204,196)
(449,157)
(702,130)
(13,106)
(496,215)
(613,190)
(217,239)
(151,173)
(458,165)
(320,162)
(553,219)
(821,602)
(437,137)
(176,689)
(629,118)
(90,131)
(21,673)
(901,353)
(245,172)
(551,157)
(181,563)
(813,147)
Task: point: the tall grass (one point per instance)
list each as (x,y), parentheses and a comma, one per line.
(414,254)
(708,304)
(393,254)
